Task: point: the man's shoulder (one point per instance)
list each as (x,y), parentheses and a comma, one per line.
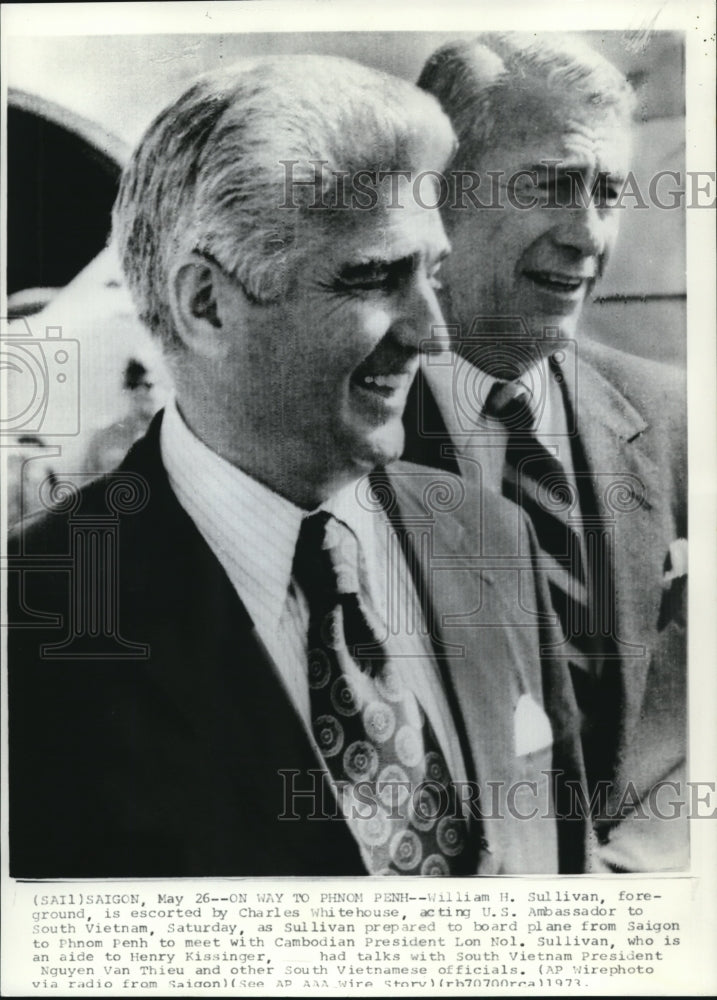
(643,381)
(83,497)
(442,496)
(45,531)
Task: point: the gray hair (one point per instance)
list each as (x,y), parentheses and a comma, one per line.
(473,80)
(210,173)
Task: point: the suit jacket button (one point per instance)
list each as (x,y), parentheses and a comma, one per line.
(484,845)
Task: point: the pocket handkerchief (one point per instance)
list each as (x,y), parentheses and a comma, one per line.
(675,562)
(533,731)
(673,606)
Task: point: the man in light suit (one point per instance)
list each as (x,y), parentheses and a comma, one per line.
(261,646)
(529,403)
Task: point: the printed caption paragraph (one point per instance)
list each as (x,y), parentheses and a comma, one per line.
(227,938)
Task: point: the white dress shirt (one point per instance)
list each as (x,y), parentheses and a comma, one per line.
(253,533)
(461,390)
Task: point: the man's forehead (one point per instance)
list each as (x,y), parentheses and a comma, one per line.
(381,233)
(545,125)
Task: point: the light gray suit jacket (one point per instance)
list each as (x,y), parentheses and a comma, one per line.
(630,421)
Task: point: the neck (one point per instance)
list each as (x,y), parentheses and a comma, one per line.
(307,484)
(506,359)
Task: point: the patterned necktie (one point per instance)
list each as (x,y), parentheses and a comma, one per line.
(379,747)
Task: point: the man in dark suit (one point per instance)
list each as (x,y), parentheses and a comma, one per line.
(261,646)
(588,440)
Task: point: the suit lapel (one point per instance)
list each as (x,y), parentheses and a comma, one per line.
(208,664)
(626,484)
(428,440)
(627,494)
(483,666)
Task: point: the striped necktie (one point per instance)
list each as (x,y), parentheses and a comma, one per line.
(534,478)
(378,745)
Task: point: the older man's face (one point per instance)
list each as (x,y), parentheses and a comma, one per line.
(320,384)
(540,263)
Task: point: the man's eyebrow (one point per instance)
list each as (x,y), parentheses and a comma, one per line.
(366,269)
(358,270)
(563,168)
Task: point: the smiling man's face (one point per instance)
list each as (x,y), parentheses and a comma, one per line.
(320,383)
(541,262)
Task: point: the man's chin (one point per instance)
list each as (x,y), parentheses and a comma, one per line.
(381,447)
(548,328)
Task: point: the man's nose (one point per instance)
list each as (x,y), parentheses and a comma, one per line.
(585,229)
(420,324)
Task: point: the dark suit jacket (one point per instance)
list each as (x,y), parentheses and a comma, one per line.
(630,419)
(149,735)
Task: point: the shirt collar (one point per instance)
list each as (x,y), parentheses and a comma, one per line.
(251,529)
(462,390)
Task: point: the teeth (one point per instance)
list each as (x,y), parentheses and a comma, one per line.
(383,381)
(560,279)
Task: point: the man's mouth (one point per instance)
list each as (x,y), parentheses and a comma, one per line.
(384,378)
(386,385)
(559,282)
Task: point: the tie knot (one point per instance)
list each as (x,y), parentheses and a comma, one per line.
(327,555)
(510,402)
(328,566)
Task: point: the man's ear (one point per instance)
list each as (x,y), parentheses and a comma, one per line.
(198,293)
